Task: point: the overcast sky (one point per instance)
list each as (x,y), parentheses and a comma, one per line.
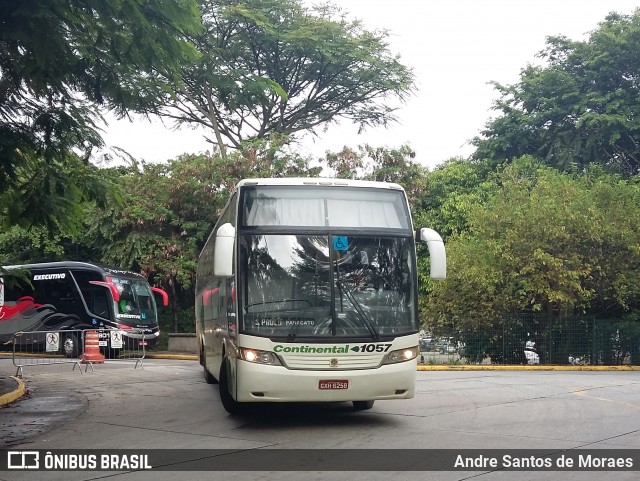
(455,48)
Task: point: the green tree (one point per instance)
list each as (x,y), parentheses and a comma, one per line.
(581,107)
(276,67)
(61,60)
(51,194)
(160,228)
(450,191)
(543,241)
(22,246)
(382,164)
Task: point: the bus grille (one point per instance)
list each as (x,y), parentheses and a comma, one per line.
(329,362)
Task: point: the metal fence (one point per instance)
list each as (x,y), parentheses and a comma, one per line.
(129,345)
(537,339)
(45,348)
(77,347)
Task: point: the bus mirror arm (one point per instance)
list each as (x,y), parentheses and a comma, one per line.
(111,287)
(165,296)
(437,253)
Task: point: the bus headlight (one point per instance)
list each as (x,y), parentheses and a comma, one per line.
(401,355)
(258,357)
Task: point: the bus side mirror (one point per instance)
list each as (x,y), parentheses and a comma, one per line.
(223,251)
(114,290)
(437,253)
(163,294)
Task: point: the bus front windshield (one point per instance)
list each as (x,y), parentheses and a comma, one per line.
(323,286)
(136,302)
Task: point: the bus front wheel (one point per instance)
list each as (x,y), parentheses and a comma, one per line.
(71,345)
(230,405)
(362,405)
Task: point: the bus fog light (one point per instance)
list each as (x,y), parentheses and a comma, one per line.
(258,357)
(401,355)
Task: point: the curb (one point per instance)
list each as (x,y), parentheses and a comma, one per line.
(489,367)
(14,395)
(181,357)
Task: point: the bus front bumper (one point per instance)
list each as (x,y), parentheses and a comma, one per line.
(135,337)
(262,383)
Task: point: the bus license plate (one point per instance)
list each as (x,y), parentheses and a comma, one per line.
(333,384)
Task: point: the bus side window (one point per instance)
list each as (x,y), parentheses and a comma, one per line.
(231,298)
(13,293)
(58,292)
(95,298)
(100,303)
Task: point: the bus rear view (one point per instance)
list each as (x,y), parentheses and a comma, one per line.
(307,291)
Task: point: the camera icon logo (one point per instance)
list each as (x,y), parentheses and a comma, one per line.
(23,460)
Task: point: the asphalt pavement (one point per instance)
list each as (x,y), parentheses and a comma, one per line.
(13,388)
(7,385)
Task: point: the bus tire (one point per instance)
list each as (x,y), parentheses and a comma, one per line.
(362,405)
(230,405)
(71,345)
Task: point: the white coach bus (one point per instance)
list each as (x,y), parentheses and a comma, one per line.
(307,290)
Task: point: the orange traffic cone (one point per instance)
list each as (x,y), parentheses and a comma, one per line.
(92,349)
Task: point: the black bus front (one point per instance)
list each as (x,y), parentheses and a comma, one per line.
(135,311)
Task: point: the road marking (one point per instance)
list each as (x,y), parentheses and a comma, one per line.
(583,393)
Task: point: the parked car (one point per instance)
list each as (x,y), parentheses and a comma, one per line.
(445,346)
(427,344)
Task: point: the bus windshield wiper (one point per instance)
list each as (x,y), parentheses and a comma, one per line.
(361,313)
(292,334)
(294,328)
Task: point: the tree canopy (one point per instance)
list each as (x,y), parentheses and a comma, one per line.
(159,230)
(275,67)
(61,60)
(541,240)
(582,106)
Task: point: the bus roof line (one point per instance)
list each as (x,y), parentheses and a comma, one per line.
(318,181)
